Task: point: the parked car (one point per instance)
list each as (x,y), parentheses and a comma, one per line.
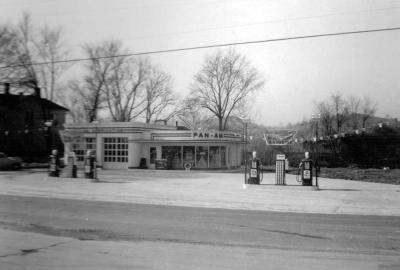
(9,163)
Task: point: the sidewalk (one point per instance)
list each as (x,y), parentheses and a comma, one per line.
(211,189)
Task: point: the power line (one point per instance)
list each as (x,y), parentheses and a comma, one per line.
(210,46)
(264,22)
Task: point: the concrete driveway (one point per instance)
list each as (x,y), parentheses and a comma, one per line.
(210,189)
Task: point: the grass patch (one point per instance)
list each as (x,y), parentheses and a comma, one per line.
(365,175)
(359,174)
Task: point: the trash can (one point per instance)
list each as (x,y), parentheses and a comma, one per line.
(143,163)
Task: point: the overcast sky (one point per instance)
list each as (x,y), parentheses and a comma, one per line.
(297,72)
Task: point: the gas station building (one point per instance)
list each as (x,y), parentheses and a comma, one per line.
(124,145)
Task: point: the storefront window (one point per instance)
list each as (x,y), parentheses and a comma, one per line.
(215,157)
(173,155)
(116,149)
(188,155)
(202,157)
(80,147)
(223,156)
(91,144)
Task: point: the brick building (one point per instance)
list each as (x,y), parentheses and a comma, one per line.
(29,125)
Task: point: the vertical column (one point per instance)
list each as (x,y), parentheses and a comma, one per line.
(67,149)
(228,156)
(208,156)
(99,150)
(159,151)
(182,157)
(134,154)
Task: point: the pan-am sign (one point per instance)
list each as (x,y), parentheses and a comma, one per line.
(207,135)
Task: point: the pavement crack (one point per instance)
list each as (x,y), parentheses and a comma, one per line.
(24,252)
(283,232)
(297,234)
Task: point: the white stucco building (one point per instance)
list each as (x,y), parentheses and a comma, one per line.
(122,145)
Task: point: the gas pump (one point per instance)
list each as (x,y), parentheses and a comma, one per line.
(90,165)
(71,170)
(305,170)
(256,174)
(54,170)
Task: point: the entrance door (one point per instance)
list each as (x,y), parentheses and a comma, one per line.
(173,155)
(189,155)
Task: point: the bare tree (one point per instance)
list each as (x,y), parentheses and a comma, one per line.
(353,104)
(368,109)
(72,99)
(27,45)
(27,74)
(92,91)
(127,87)
(159,96)
(124,86)
(340,110)
(50,48)
(326,117)
(223,83)
(191,114)
(8,47)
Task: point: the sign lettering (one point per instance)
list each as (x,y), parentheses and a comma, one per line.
(280,157)
(306,174)
(207,135)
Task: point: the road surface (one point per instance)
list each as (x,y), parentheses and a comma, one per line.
(48,233)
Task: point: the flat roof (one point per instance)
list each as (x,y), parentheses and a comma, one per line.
(158,133)
(138,125)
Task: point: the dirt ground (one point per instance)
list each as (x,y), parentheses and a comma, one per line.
(390,176)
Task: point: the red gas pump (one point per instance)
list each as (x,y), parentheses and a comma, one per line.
(256,174)
(54,168)
(305,170)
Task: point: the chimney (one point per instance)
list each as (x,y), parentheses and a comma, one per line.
(7,88)
(37,91)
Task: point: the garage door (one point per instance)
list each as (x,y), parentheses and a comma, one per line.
(115,155)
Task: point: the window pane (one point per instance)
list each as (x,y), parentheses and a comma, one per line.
(188,155)
(114,152)
(202,157)
(223,156)
(215,157)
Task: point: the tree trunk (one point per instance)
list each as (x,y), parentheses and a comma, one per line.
(220,120)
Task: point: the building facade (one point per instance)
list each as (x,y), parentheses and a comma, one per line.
(29,125)
(124,145)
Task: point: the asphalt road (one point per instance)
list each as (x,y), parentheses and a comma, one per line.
(137,236)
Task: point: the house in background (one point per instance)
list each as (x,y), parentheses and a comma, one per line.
(29,125)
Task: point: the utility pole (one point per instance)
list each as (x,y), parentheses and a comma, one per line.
(315,118)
